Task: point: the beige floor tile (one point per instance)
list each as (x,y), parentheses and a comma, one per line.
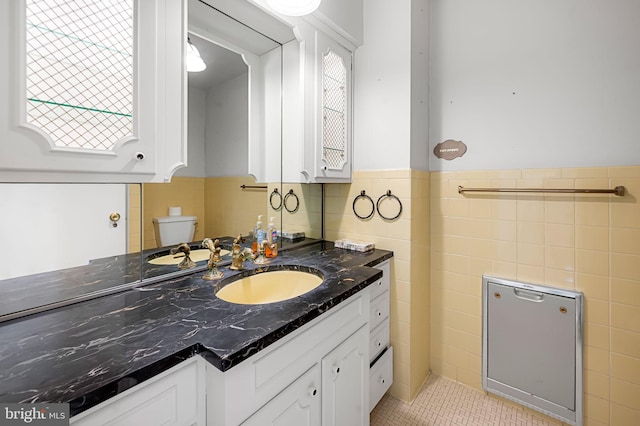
(444,402)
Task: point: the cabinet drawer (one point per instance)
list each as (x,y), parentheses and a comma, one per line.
(379,310)
(379,287)
(380,378)
(280,362)
(379,340)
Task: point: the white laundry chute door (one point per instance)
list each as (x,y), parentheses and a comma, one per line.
(49,227)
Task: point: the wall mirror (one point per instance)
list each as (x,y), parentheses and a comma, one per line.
(51,230)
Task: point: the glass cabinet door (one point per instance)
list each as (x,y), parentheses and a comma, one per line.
(334,139)
(95,90)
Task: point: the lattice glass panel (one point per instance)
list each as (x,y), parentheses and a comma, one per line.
(334,111)
(79,76)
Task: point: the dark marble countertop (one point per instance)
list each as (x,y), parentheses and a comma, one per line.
(90,351)
(99,277)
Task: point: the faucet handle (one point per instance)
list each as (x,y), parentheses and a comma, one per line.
(186,262)
(261,259)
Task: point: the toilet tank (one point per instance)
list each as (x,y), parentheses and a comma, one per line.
(173,230)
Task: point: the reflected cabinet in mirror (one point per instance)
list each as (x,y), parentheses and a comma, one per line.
(74,241)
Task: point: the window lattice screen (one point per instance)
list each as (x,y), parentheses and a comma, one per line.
(79,76)
(335,111)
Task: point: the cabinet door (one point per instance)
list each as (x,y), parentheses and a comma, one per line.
(345,382)
(333,115)
(317,108)
(93,92)
(175,397)
(297,405)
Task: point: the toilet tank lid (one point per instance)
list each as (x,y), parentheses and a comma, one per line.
(171,219)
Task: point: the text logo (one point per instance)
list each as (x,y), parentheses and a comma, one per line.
(34,414)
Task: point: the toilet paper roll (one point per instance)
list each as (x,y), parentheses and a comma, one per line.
(175,211)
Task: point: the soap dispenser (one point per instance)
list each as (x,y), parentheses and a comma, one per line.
(258,235)
(272,236)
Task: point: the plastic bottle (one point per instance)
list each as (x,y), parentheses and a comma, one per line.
(258,235)
(272,237)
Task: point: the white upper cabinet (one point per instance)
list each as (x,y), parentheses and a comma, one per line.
(317,108)
(332,147)
(93,93)
(317,92)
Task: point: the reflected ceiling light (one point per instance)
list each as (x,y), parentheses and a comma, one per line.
(194,61)
(293,7)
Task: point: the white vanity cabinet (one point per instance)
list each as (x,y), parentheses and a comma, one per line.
(174,397)
(320,374)
(317,105)
(331,393)
(93,93)
(325,362)
(380,351)
(345,373)
(299,404)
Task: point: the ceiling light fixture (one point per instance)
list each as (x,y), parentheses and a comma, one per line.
(194,61)
(293,7)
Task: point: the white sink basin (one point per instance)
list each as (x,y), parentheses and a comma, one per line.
(269,287)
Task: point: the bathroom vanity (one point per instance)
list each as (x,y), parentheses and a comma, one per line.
(174,349)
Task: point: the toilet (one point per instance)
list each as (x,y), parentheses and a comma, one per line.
(173,230)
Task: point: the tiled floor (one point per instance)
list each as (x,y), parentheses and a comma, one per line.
(444,402)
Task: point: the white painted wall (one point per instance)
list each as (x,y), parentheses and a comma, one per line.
(226,128)
(196,138)
(382,88)
(536,83)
